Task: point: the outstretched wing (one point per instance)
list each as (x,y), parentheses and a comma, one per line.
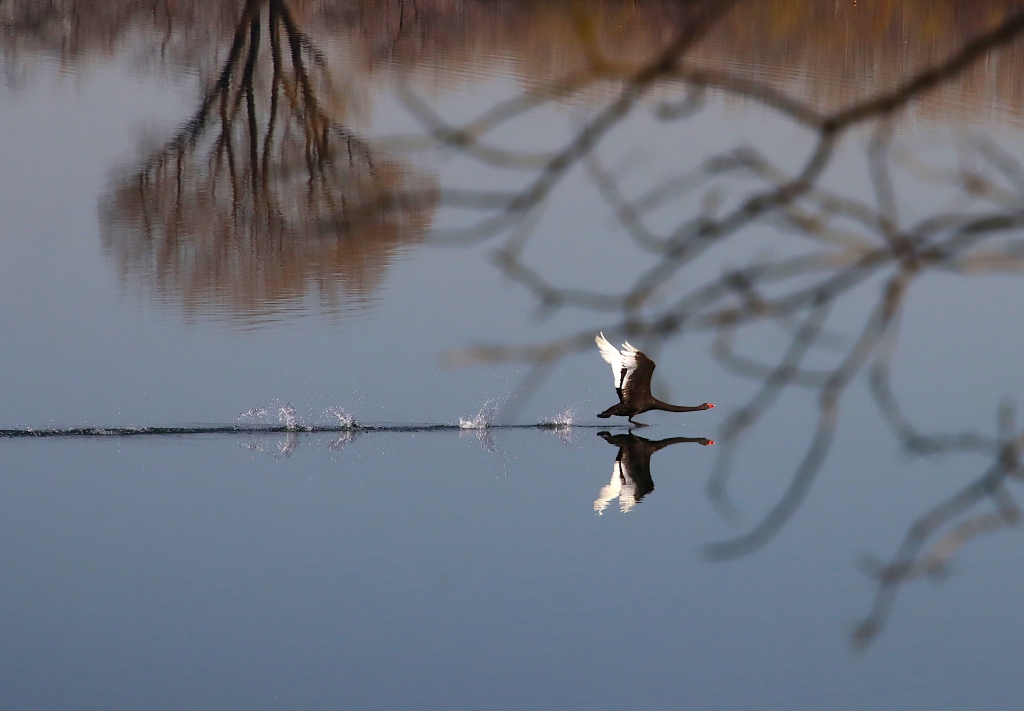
(623,363)
(636,385)
(631,360)
(611,356)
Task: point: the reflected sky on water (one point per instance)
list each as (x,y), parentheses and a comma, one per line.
(293,213)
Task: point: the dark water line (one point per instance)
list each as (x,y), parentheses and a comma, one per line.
(23,432)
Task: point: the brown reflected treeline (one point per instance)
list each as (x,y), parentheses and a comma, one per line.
(268,194)
(836,53)
(830,52)
(269,199)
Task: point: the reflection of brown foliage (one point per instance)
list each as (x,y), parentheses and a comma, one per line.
(210,210)
(830,53)
(262,195)
(836,53)
(179,32)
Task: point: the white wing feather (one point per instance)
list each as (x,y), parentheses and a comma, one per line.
(611,356)
(624,360)
(628,362)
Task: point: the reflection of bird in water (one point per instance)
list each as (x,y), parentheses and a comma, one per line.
(632,371)
(631,475)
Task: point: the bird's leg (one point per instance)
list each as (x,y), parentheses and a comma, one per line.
(636,424)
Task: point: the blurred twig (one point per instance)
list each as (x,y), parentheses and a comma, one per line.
(853,244)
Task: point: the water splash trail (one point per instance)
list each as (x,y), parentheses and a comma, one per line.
(287,415)
(215,429)
(563,420)
(276,418)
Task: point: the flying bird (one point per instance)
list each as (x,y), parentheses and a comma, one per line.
(632,371)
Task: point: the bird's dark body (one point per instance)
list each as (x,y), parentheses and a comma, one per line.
(635,397)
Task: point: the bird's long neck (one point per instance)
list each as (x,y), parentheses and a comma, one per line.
(659,405)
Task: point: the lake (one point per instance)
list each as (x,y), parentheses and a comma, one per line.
(300,382)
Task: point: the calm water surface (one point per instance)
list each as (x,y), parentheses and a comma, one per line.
(378,218)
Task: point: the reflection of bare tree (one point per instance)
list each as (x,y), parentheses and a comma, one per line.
(263,194)
(850,243)
(912,559)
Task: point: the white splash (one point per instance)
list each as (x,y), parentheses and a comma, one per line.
(288,417)
(565,418)
(268,414)
(561,425)
(256,414)
(485,418)
(346,419)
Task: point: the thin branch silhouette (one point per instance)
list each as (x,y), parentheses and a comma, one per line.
(267,193)
(854,244)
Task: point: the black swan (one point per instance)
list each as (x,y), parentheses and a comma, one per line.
(632,371)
